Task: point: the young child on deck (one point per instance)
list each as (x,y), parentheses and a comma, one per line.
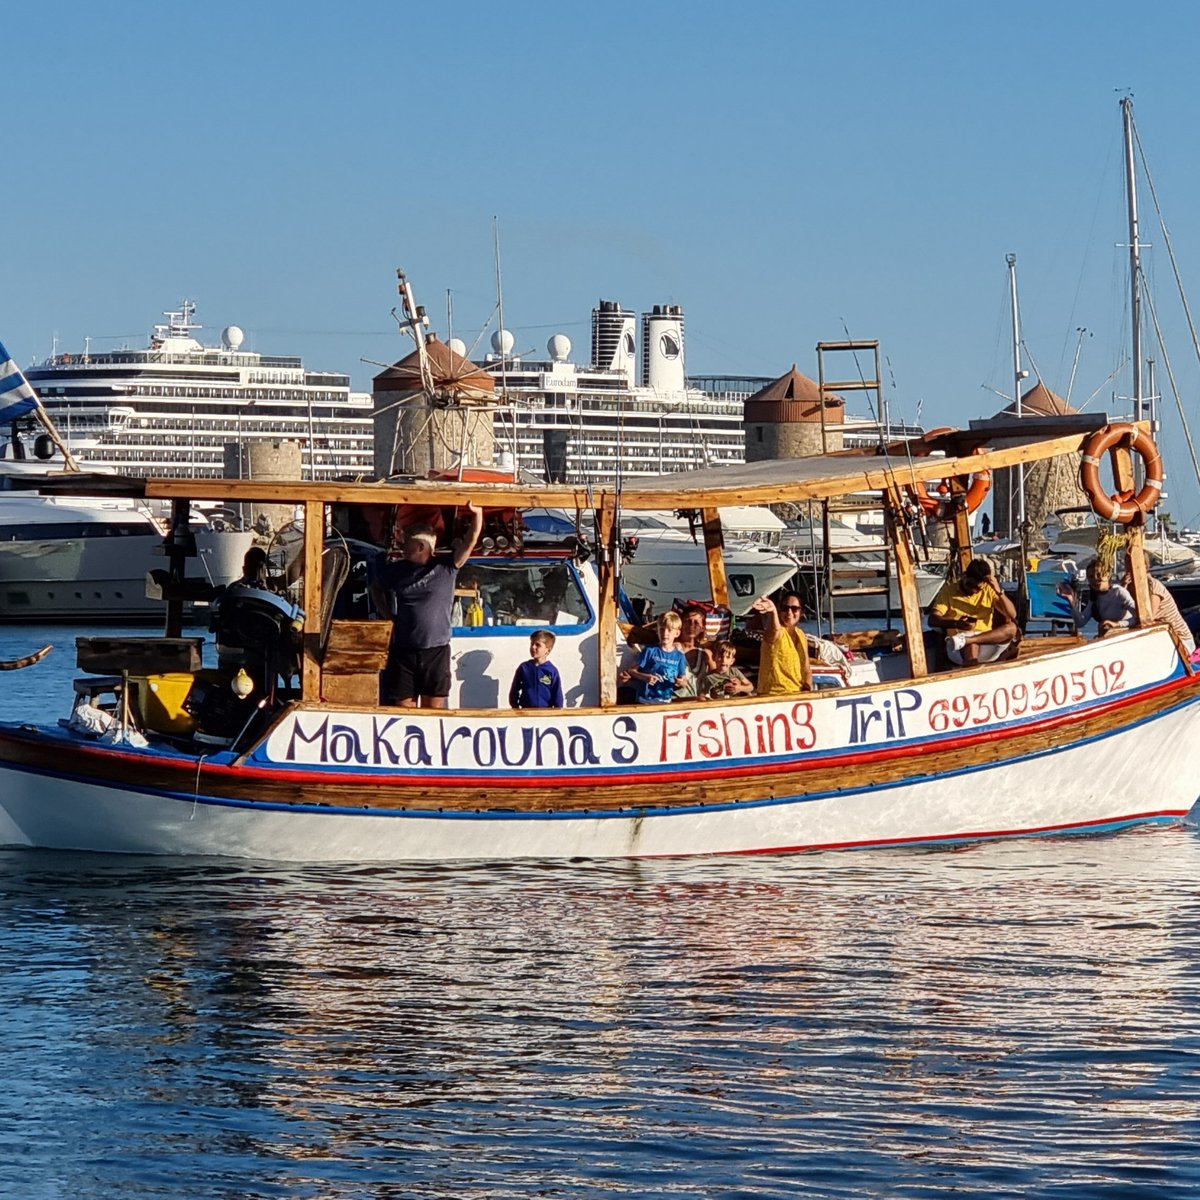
(726,679)
(661,666)
(536,683)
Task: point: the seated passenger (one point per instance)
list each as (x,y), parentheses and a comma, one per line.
(660,667)
(254,569)
(699,659)
(979,620)
(1163,608)
(726,679)
(1110,604)
(783,664)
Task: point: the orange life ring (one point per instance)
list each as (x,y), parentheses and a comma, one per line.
(1121,506)
(931,503)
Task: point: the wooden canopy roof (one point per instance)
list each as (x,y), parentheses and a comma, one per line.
(767,482)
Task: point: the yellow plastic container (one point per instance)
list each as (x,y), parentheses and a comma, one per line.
(159,701)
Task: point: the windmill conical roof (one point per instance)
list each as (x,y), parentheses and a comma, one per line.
(450,370)
(1039,401)
(791,397)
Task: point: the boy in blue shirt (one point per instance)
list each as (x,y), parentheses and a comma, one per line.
(536,683)
(662,666)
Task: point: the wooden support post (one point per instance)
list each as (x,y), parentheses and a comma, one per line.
(910,600)
(314,545)
(1122,464)
(714,547)
(962,526)
(607,565)
(180,547)
(1136,549)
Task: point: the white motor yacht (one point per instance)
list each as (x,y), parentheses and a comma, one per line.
(859,564)
(87,559)
(663,563)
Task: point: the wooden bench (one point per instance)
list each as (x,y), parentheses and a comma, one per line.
(1034,647)
(138,655)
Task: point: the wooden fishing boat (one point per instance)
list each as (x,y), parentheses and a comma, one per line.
(1071,736)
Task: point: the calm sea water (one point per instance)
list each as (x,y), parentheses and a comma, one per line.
(1019,1019)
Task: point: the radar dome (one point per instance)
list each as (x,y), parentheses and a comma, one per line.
(232,337)
(458,346)
(503,341)
(559,347)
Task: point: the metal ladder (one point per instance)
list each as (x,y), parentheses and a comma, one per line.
(830,572)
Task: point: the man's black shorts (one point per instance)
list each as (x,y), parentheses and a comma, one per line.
(415,673)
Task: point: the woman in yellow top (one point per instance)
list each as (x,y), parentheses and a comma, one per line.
(783,666)
(979,620)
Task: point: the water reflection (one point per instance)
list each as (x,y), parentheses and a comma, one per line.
(886,1023)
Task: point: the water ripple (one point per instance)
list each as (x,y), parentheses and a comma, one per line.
(1017,1019)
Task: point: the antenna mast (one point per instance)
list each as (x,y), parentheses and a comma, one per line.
(1135,259)
(1019,374)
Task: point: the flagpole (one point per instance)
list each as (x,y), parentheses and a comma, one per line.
(70,459)
(18,399)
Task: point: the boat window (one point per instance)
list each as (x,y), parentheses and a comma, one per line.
(520,592)
(70,530)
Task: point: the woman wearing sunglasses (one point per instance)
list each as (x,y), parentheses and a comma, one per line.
(783,668)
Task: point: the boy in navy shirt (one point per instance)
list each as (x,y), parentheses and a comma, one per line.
(536,683)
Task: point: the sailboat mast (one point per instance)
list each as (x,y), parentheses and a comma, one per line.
(1018,376)
(1135,259)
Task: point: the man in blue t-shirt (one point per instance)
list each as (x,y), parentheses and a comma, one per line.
(420,589)
(536,683)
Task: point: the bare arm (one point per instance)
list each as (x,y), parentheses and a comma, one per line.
(770,618)
(1004,607)
(463,548)
(938,620)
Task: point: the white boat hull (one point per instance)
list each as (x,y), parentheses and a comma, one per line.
(877,604)
(102,578)
(1089,788)
(1098,737)
(750,573)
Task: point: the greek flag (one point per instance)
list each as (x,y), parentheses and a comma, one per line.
(16,396)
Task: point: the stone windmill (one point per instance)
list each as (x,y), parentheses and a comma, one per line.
(1049,485)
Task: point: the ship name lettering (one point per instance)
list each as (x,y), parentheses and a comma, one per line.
(412,750)
(519,746)
(882,718)
(688,736)
(625,732)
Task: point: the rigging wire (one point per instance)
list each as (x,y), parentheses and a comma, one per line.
(1101,194)
(1106,381)
(1187,310)
(1187,433)
(1080,331)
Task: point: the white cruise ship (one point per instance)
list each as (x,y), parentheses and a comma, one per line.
(633,411)
(573,423)
(173,408)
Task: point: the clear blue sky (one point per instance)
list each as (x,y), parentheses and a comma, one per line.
(786,172)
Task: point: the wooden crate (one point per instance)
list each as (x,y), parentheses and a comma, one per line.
(355,643)
(350,689)
(355,654)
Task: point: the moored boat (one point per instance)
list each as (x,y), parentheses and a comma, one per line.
(1068,737)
